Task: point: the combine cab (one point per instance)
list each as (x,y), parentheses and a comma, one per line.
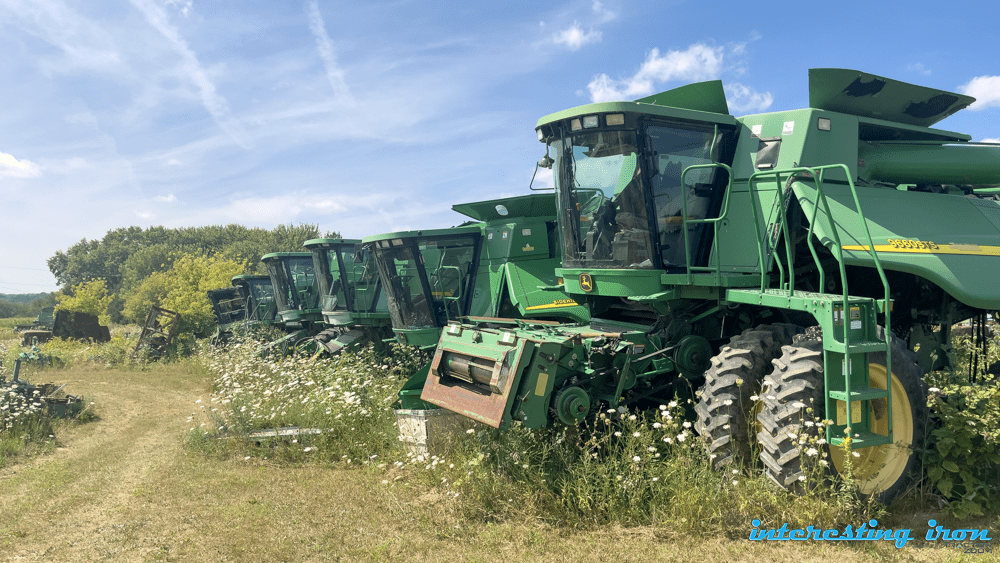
(502,266)
(43,321)
(249,302)
(495,270)
(353,305)
(258,298)
(296,291)
(839,242)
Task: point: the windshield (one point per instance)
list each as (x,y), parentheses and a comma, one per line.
(334,295)
(365,287)
(427,281)
(604,221)
(295,283)
(260,302)
(605,200)
(674,150)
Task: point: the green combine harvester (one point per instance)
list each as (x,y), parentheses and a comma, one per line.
(498,269)
(502,264)
(296,296)
(248,303)
(352,303)
(258,297)
(749,263)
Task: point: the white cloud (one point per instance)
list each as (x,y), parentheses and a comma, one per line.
(84,43)
(324,46)
(696,63)
(210,98)
(11,167)
(170,198)
(743,99)
(603,14)
(574,37)
(986,91)
(991,140)
(182,6)
(920,68)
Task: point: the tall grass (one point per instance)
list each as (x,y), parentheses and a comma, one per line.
(348,397)
(24,424)
(624,467)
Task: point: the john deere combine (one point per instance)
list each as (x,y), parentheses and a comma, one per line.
(247,303)
(258,297)
(353,305)
(296,297)
(753,259)
(501,265)
(499,270)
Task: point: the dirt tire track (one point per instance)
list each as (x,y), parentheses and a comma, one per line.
(76,503)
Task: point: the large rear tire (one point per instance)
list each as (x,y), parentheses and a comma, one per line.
(796,384)
(726,409)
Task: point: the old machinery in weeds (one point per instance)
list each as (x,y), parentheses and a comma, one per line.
(495,269)
(353,305)
(780,269)
(247,304)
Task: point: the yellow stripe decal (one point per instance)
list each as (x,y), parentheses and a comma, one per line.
(553,305)
(922,247)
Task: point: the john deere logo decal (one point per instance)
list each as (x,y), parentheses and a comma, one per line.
(586,282)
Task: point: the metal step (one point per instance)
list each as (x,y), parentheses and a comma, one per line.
(862,394)
(854,347)
(863,440)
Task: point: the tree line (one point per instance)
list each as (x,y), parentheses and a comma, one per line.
(132,268)
(24,304)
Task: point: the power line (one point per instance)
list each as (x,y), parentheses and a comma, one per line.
(20,268)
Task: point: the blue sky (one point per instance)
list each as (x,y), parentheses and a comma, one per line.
(370,117)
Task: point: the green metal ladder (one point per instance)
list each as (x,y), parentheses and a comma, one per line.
(847,391)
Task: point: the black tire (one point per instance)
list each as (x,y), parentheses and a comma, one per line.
(794,393)
(725,405)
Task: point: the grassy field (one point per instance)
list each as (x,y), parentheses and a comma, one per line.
(125,487)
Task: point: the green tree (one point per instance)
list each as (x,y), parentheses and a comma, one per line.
(125,257)
(87,297)
(184,289)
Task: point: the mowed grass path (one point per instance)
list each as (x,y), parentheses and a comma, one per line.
(123,488)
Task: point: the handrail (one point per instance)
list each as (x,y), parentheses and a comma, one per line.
(714,220)
(817,174)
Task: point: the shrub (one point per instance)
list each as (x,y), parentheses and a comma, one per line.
(87,297)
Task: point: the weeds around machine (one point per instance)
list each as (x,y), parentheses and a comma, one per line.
(794,272)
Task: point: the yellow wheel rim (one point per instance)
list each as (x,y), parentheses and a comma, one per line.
(878,468)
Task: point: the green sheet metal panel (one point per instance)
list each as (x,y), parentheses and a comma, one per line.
(802,140)
(542,206)
(524,283)
(951,240)
(701,96)
(869,95)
